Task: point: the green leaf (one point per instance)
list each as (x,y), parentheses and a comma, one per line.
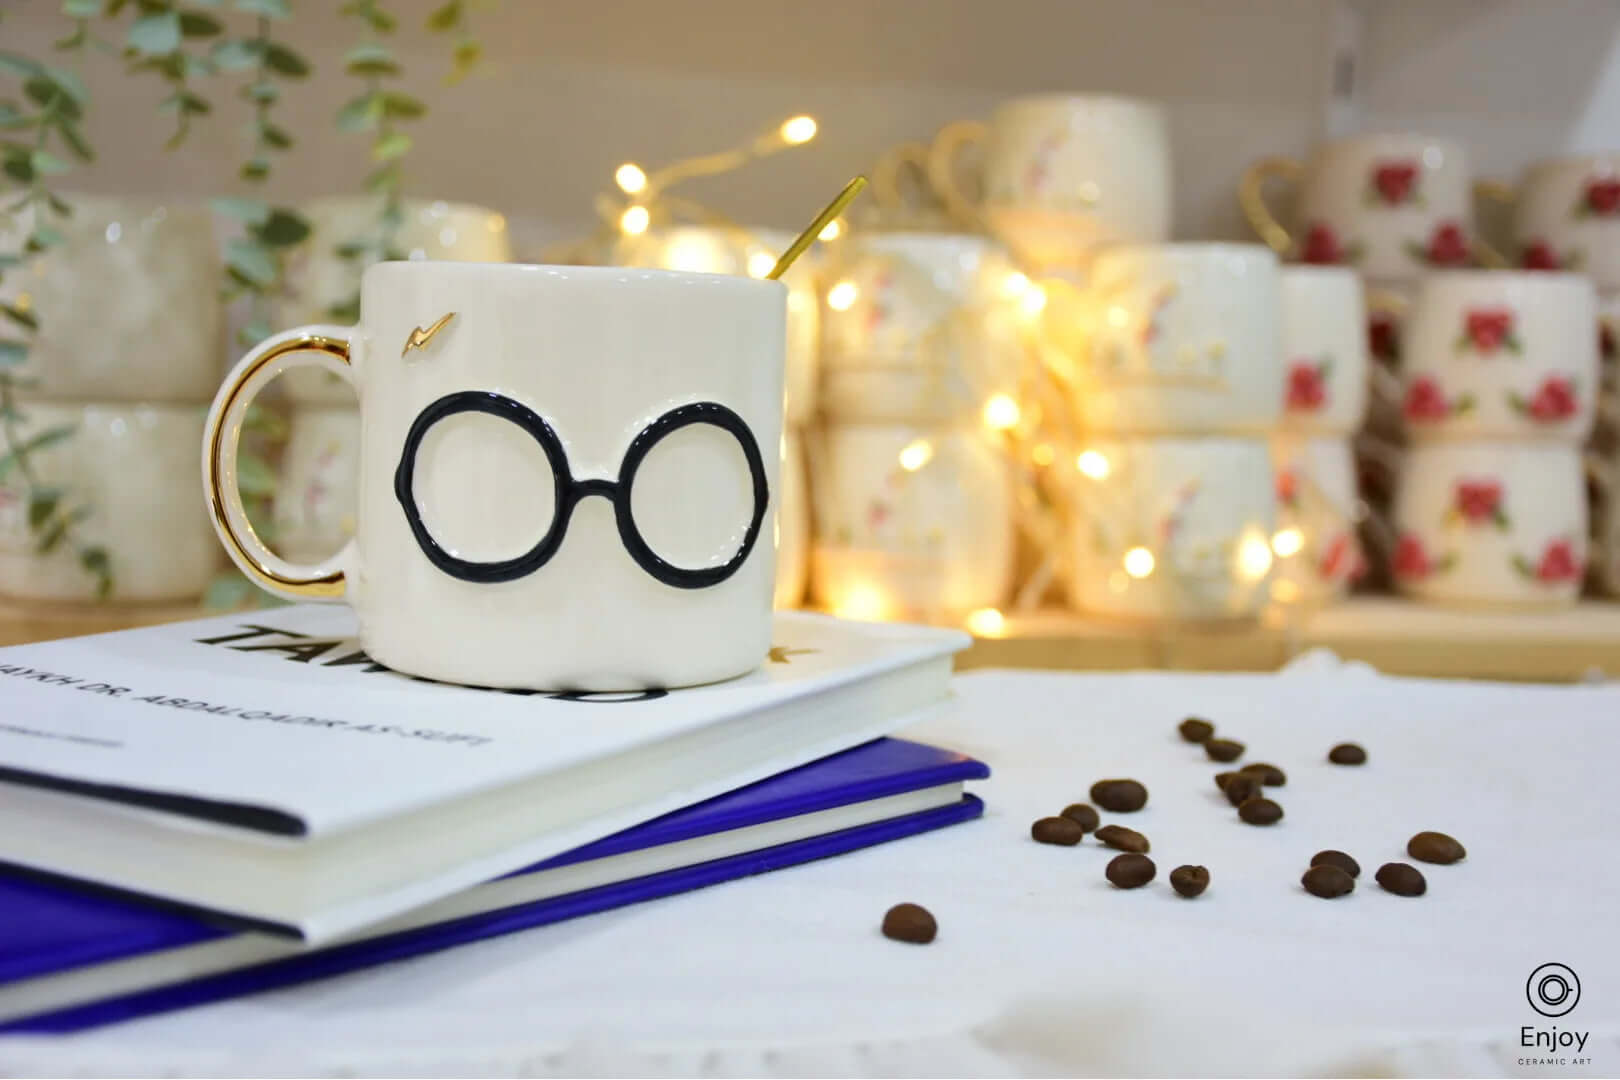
(402,106)
(361,114)
(354,249)
(274,136)
(80,34)
(19,65)
(382,179)
(237,54)
(12,353)
(81,9)
(228,591)
(251,261)
(48,164)
(264,421)
(282,229)
(43,441)
(45,236)
(155,35)
(17,315)
(95,560)
(270,9)
(195,24)
(255,332)
(395,144)
(13,118)
(283,60)
(370,58)
(254,476)
(255,170)
(75,141)
(19,169)
(53,537)
(41,505)
(184,101)
(249,211)
(445,18)
(58,207)
(464,58)
(263,91)
(346,312)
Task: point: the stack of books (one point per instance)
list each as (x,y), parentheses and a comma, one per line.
(206,809)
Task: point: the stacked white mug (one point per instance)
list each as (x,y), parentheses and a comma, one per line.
(117,382)
(913,500)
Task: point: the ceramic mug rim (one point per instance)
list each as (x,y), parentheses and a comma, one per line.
(1408,138)
(1556,281)
(1184,249)
(1078,102)
(620,276)
(1605,159)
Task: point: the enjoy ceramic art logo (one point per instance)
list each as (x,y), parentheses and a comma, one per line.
(1553,990)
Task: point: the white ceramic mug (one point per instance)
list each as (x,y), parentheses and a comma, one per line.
(127,305)
(792,524)
(919,327)
(1566,216)
(911,521)
(1063,175)
(1392,206)
(1324,343)
(1491,523)
(1318,555)
(1171,528)
(320,280)
(1182,339)
(568,475)
(120,466)
(1501,354)
(318,495)
(751,252)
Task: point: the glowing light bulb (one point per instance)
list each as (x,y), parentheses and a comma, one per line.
(842,296)
(630,178)
(1118,316)
(987,622)
(1139,562)
(1253,557)
(864,602)
(830,231)
(799,130)
(690,255)
(1092,464)
(1033,301)
(1001,412)
(916,454)
(1014,285)
(1043,454)
(1287,542)
(634,221)
(760,263)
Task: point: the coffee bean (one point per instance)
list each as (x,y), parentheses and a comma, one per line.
(1189,881)
(1119,796)
(1224,778)
(1242,787)
(910,922)
(1347,753)
(1339,859)
(1082,815)
(1327,881)
(1196,729)
(1435,847)
(1131,871)
(1269,775)
(1057,830)
(1123,839)
(1402,879)
(1260,812)
(1223,750)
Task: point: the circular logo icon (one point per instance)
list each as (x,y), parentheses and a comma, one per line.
(1553,989)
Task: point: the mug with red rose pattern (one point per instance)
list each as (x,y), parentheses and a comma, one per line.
(1318,554)
(1391,206)
(1324,343)
(1566,216)
(1493,523)
(1501,354)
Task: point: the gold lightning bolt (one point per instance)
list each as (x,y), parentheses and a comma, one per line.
(420,337)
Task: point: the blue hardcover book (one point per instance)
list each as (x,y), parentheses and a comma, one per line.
(72,958)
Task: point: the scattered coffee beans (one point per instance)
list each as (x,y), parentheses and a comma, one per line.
(1242,787)
(1195,729)
(1347,753)
(1327,881)
(1119,796)
(1435,847)
(1189,881)
(1131,871)
(1223,750)
(1402,879)
(1223,778)
(1269,775)
(910,922)
(1123,839)
(1260,811)
(1057,830)
(1082,815)
(1339,859)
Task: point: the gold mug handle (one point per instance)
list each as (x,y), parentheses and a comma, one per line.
(1497,192)
(944,171)
(906,160)
(326,347)
(1251,197)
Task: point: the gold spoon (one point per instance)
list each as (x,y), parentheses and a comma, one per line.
(806,238)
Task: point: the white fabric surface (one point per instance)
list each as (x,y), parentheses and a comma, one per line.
(1041,967)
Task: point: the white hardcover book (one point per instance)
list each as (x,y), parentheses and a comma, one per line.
(261,766)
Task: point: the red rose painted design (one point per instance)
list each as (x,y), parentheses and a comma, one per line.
(1426,401)
(1287,488)
(1394,183)
(1486,330)
(1555,401)
(1323,248)
(1478,502)
(1558,564)
(1539,255)
(1447,246)
(1341,560)
(1602,197)
(1307,385)
(1384,336)
(1413,562)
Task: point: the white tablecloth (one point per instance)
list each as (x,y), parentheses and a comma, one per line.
(1040,966)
